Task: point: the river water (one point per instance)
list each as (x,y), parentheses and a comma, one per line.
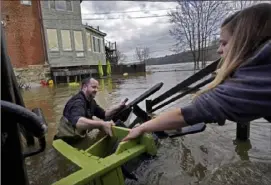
(210,157)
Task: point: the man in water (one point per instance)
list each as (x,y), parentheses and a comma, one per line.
(78,113)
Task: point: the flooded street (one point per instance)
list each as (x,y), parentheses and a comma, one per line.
(211,157)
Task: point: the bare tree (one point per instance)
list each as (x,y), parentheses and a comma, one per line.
(241,4)
(142,54)
(120,56)
(195,25)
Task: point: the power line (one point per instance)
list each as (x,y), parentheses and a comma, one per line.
(110,18)
(105,13)
(141,17)
(111,29)
(130,29)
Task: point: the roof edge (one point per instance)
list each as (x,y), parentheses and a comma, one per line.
(95,30)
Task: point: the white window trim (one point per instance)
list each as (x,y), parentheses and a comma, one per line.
(70,40)
(89,42)
(102,47)
(26,2)
(54,50)
(57,9)
(60,9)
(94,44)
(98,45)
(82,41)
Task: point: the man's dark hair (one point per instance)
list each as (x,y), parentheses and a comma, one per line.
(85,81)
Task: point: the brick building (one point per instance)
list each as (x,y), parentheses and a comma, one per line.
(24,33)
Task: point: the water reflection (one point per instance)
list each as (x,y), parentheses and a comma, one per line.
(101,85)
(189,165)
(242,148)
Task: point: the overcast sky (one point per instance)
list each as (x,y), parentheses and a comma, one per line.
(130,32)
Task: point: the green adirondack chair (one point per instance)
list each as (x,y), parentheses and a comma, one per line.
(98,164)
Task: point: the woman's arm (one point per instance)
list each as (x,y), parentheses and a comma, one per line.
(242,98)
(166,121)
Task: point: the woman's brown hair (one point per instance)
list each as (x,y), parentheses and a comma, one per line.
(226,24)
(251,28)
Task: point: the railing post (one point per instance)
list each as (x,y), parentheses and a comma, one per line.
(221,123)
(243,131)
(148,105)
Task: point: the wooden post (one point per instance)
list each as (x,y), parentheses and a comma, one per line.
(55,79)
(68,79)
(243,131)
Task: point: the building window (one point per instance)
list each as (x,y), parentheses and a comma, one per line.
(66,40)
(96,45)
(78,41)
(26,2)
(89,41)
(101,45)
(65,5)
(52,40)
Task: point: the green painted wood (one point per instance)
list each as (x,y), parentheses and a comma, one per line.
(110,177)
(120,175)
(120,132)
(75,156)
(87,174)
(97,181)
(103,170)
(148,141)
(126,146)
(102,147)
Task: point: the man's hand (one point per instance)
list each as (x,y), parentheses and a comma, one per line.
(123,103)
(115,109)
(107,127)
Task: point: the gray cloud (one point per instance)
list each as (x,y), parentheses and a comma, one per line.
(132,33)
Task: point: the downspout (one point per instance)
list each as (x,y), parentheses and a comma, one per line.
(42,32)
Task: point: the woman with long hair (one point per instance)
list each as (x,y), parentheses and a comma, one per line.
(226,32)
(241,90)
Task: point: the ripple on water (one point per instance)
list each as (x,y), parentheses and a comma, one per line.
(240,173)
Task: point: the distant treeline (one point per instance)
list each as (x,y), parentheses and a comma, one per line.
(183,57)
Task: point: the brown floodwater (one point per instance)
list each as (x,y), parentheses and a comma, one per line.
(210,157)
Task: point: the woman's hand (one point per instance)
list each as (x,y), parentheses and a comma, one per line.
(134,133)
(166,121)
